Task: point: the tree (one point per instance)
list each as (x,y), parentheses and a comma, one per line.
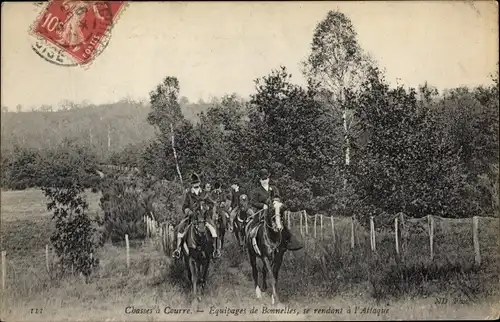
(166,113)
(220,131)
(291,132)
(405,161)
(337,63)
(67,170)
(165,108)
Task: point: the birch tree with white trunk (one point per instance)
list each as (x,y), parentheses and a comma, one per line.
(337,62)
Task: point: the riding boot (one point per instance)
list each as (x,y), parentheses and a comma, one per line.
(292,243)
(177,251)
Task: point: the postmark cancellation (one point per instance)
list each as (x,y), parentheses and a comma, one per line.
(74,33)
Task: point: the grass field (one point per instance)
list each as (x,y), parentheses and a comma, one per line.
(323,275)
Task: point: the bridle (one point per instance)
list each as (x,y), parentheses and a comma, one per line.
(273,220)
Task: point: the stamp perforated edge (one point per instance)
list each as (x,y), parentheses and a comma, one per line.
(99,48)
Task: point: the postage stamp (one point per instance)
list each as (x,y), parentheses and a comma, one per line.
(233,161)
(72,33)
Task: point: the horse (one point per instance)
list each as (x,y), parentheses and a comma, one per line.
(197,249)
(237,223)
(239,230)
(220,217)
(265,241)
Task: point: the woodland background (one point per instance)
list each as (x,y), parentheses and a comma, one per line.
(346,143)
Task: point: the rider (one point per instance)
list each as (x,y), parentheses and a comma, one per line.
(218,200)
(207,188)
(234,197)
(262,195)
(193,197)
(243,213)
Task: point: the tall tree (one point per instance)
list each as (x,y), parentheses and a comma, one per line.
(405,161)
(293,137)
(166,113)
(337,63)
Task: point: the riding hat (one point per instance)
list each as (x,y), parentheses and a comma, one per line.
(263,174)
(195,179)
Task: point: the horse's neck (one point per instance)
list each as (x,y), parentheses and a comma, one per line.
(271,235)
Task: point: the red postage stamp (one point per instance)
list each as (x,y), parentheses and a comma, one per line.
(79,29)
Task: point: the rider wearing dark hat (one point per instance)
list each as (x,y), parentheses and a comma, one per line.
(262,196)
(219,203)
(193,197)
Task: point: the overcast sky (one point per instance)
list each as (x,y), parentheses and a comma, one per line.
(221,47)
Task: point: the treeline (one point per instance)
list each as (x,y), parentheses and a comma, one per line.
(55,167)
(347,143)
(411,150)
(104,128)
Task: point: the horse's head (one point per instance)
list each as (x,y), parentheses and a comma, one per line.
(199,218)
(274,215)
(244,201)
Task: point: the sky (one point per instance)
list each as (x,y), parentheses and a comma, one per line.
(214,48)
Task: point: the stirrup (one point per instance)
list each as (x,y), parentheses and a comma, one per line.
(177,253)
(217,253)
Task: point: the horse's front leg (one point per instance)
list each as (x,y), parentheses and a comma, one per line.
(278,259)
(264,276)
(255,273)
(206,266)
(236,235)
(222,234)
(194,278)
(268,267)
(242,235)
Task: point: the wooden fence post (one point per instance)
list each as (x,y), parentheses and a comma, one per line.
(333,229)
(352,232)
(128,251)
(396,234)
(315,219)
(430,219)
(403,233)
(321,225)
(307,228)
(475,238)
(372,234)
(47,257)
(147,227)
(4,268)
(301,229)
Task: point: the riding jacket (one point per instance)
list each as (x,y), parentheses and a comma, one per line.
(261,196)
(235,198)
(193,200)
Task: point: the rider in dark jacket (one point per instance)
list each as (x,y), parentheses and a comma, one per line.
(218,199)
(262,196)
(192,200)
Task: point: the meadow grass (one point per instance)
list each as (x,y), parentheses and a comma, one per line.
(327,273)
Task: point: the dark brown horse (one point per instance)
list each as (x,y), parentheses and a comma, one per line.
(197,249)
(220,218)
(265,241)
(238,220)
